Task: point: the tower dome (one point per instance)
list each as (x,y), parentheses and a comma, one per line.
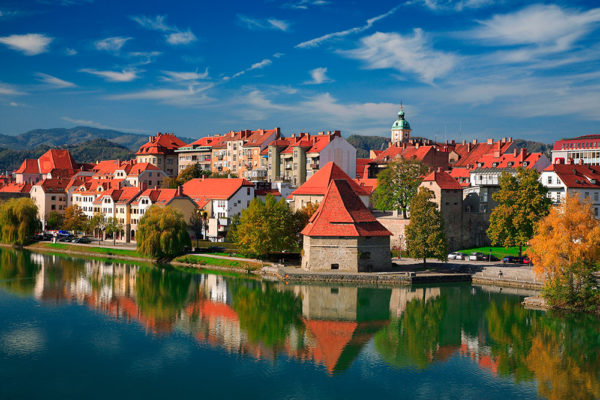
(400,129)
(401,123)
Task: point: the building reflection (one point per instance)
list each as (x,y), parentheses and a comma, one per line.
(325,325)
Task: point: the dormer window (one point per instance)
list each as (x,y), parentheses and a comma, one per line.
(510,164)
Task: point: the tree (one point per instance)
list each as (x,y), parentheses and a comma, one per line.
(522,202)
(198,223)
(266,227)
(425,232)
(112,227)
(301,218)
(95,223)
(18,220)
(566,252)
(398,184)
(162,233)
(55,220)
(75,219)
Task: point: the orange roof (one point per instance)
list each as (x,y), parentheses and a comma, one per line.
(128,194)
(214,188)
(56,159)
(331,338)
(53,185)
(205,141)
(319,182)
(443,179)
(28,166)
(160,196)
(162,143)
(509,160)
(259,137)
(578,176)
(368,184)
(470,153)
(16,188)
(408,152)
(342,213)
(137,169)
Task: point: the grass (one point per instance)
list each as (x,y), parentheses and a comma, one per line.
(499,252)
(93,249)
(219,262)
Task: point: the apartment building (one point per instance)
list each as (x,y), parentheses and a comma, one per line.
(585,149)
(160,152)
(50,195)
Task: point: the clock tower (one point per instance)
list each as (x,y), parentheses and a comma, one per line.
(400,129)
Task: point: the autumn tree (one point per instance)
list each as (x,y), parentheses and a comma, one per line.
(112,226)
(95,223)
(162,233)
(198,222)
(425,235)
(301,218)
(398,184)
(55,220)
(266,227)
(566,252)
(522,202)
(75,219)
(18,220)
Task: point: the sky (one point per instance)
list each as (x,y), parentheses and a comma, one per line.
(462,69)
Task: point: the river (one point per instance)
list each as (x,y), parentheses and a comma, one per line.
(74,328)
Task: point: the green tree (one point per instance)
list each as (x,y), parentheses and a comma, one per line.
(18,220)
(425,235)
(112,226)
(522,202)
(162,233)
(398,184)
(94,224)
(198,222)
(266,227)
(55,220)
(75,219)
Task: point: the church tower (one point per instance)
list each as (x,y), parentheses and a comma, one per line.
(400,129)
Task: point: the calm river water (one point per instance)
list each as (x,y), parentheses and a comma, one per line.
(84,329)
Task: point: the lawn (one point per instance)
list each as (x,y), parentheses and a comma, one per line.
(499,252)
(93,249)
(219,262)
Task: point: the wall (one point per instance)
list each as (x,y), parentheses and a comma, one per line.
(321,252)
(342,153)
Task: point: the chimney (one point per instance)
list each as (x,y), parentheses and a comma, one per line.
(446,142)
(178,191)
(515,152)
(464,141)
(490,141)
(523,154)
(510,139)
(474,141)
(439,169)
(468,147)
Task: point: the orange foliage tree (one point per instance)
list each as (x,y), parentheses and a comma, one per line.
(566,252)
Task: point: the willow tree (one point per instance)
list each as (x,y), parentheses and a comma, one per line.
(398,184)
(18,220)
(162,233)
(522,202)
(425,235)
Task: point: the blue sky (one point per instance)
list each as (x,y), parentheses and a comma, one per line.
(463,69)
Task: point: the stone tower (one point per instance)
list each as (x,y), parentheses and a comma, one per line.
(400,129)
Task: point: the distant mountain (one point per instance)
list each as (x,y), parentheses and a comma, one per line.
(88,151)
(56,137)
(364,144)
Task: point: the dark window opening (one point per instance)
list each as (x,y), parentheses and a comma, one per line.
(335,266)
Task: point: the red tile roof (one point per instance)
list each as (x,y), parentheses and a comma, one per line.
(443,179)
(205,141)
(162,143)
(53,185)
(160,196)
(56,159)
(577,176)
(16,188)
(28,166)
(214,188)
(470,153)
(580,142)
(342,213)
(319,182)
(461,175)
(259,137)
(509,160)
(137,169)
(361,164)
(369,184)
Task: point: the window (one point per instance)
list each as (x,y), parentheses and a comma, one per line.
(53,197)
(335,266)
(53,207)
(550,180)
(596,196)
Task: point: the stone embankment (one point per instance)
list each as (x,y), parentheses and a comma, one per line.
(508,276)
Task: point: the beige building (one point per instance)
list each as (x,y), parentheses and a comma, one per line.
(49,195)
(160,152)
(343,235)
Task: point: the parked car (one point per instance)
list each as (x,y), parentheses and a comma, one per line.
(65,238)
(83,240)
(476,256)
(526,260)
(509,259)
(492,257)
(453,255)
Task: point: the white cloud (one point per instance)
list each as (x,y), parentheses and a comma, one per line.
(177,38)
(54,81)
(145,57)
(260,24)
(184,97)
(70,52)
(157,23)
(185,76)
(538,24)
(29,44)
(7,90)
(259,65)
(126,75)
(111,44)
(405,53)
(317,41)
(305,4)
(86,122)
(318,75)
(456,5)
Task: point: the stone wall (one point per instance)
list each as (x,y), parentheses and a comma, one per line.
(350,254)
(396,225)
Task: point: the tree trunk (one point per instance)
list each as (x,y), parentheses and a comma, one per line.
(424,260)
(520,250)
(404,213)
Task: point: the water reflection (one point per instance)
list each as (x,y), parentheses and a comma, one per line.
(325,325)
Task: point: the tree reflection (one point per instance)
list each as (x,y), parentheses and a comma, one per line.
(162,294)
(266,314)
(412,340)
(17,272)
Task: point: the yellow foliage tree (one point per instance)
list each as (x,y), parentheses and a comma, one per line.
(566,251)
